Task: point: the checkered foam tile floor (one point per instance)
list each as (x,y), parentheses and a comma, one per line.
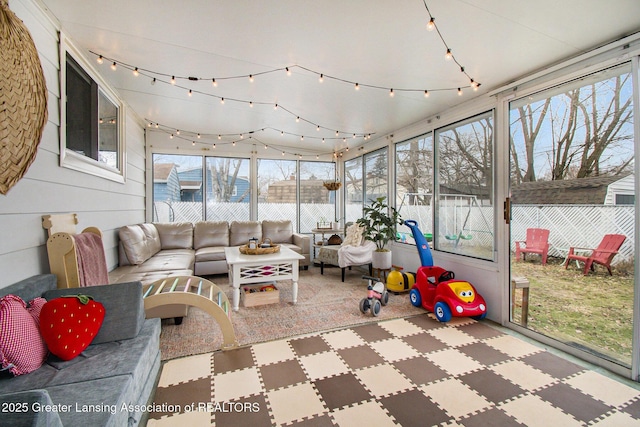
(409,372)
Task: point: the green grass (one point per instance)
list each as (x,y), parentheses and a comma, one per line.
(594,311)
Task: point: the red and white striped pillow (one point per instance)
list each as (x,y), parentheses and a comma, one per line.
(22,349)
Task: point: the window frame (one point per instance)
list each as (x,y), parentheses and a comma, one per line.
(70,159)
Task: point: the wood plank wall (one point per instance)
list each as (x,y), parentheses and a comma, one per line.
(48,188)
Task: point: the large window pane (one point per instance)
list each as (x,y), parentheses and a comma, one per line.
(571,170)
(316,202)
(277,190)
(353,189)
(414,184)
(228,189)
(464,157)
(177,188)
(376,172)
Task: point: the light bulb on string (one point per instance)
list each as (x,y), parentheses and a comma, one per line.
(391,93)
(357,86)
(318,128)
(297,119)
(432,24)
(136,72)
(153,82)
(198,136)
(214,83)
(193,143)
(250,104)
(251,78)
(221,100)
(177,131)
(190,92)
(288,71)
(426,93)
(114,66)
(448,56)
(219,136)
(321,79)
(173,80)
(100,59)
(233,143)
(275,107)
(459,92)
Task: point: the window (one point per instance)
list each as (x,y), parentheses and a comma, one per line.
(464,188)
(182,188)
(414,184)
(625,199)
(353,189)
(277,190)
(92,122)
(366,179)
(316,202)
(228,189)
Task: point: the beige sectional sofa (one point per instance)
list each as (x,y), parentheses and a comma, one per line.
(152,251)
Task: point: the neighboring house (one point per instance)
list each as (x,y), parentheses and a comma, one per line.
(311,191)
(599,190)
(172,185)
(166,185)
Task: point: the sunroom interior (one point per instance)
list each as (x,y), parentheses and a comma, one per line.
(462,114)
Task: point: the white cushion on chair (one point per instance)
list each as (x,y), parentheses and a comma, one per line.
(354,235)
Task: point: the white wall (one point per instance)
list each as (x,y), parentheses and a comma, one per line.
(48,188)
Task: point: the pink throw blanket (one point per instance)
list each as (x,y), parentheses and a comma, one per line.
(92,263)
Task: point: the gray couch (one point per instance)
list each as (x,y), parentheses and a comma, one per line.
(148,252)
(116,374)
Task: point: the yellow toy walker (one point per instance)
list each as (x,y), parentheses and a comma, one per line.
(397,281)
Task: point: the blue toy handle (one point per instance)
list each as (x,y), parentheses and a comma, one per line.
(426,259)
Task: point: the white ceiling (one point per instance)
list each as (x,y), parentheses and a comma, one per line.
(372,42)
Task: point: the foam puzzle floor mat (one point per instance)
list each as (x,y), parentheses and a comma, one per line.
(410,372)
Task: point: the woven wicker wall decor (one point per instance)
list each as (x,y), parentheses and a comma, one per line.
(23,99)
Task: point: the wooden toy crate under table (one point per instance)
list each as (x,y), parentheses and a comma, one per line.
(252,299)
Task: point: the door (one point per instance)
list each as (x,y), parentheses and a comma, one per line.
(572,152)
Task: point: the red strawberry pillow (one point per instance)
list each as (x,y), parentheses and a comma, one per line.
(22,349)
(68,324)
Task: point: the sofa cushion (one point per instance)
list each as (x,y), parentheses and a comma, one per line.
(153,238)
(22,349)
(134,243)
(123,306)
(215,253)
(175,235)
(132,274)
(210,233)
(278,231)
(241,231)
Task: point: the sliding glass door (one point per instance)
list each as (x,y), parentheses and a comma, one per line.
(572,189)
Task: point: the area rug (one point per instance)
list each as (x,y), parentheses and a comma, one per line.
(324,303)
(410,372)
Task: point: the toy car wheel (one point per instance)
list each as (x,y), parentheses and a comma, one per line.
(442,312)
(385,298)
(364,305)
(415,298)
(376,307)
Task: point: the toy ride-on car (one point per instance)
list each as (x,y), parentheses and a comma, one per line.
(437,290)
(377,296)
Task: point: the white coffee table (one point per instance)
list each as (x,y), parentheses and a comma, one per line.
(247,269)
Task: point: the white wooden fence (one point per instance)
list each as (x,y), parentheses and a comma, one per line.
(569,225)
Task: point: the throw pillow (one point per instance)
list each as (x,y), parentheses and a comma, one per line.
(354,235)
(69,324)
(22,349)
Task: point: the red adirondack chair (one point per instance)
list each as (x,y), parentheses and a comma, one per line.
(603,254)
(537,242)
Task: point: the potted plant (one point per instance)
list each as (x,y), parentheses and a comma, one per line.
(379,223)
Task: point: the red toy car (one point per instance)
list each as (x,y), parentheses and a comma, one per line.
(438,291)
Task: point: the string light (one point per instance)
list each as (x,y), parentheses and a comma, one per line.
(251,78)
(321,78)
(432,24)
(173,80)
(214,83)
(391,94)
(459,92)
(448,56)
(136,72)
(100,59)
(114,66)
